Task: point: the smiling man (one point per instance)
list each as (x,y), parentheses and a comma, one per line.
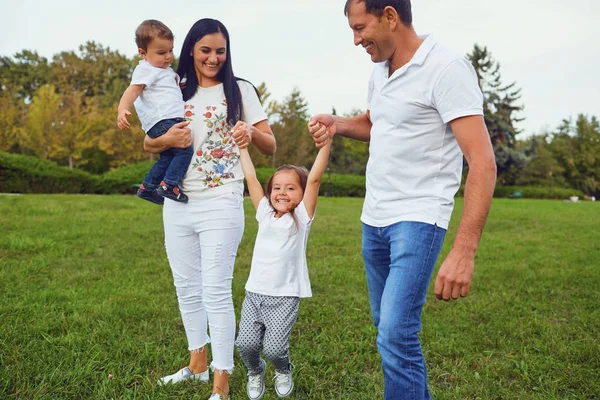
(425,111)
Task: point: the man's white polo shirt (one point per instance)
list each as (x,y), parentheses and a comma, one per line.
(415,164)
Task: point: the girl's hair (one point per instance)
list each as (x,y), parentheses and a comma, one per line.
(302,173)
(149,30)
(201,28)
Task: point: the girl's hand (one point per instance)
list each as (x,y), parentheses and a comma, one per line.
(322,128)
(242,134)
(122,122)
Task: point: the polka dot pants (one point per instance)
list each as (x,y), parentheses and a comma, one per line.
(266,321)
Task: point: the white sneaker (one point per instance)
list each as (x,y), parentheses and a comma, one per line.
(284,384)
(255,388)
(184,374)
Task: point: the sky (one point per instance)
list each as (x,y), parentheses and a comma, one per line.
(550,48)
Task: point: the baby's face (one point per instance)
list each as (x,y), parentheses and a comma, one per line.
(159,53)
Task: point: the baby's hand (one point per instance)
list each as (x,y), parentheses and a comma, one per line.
(122,122)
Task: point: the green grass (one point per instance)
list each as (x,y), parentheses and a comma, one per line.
(86,291)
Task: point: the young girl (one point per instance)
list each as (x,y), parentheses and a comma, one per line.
(279,274)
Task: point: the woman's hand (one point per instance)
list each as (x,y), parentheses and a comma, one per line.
(242,134)
(179,136)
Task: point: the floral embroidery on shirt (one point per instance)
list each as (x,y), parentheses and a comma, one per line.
(188,112)
(218,152)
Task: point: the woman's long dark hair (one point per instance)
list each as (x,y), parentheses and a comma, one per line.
(201,28)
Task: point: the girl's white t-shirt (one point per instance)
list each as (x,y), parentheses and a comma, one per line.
(161,98)
(215,168)
(279,261)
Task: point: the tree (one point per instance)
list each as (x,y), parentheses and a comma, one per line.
(349,156)
(294,144)
(576,147)
(42,122)
(123,147)
(10,125)
(542,169)
(499,111)
(77,118)
(24,75)
(94,71)
(500,101)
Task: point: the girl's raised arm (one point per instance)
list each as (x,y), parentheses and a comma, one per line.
(254,187)
(314,179)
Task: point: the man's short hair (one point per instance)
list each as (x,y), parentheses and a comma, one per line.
(150,30)
(376,7)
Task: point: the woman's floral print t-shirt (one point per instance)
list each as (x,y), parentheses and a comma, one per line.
(215,167)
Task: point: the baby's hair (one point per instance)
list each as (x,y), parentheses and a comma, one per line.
(149,30)
(302,173)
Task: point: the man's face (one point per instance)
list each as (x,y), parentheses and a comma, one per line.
(372,33)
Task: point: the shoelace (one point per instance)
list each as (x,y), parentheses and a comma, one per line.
(282,379)
(254,382)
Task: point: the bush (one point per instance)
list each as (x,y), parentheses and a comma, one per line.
(124,179)
(533,192)
(27,174)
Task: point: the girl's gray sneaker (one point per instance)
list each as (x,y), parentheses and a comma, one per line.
(256,383)
(284,384)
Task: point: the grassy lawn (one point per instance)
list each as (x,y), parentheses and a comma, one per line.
(86,291)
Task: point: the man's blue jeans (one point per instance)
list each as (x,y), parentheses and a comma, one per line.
(399,260)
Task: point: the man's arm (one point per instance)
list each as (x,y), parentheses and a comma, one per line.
(454,277)
(321,126)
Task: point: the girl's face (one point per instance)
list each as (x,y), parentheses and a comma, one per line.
(286,192)
(209,55)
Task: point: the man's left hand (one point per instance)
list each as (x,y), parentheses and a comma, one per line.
(454,277)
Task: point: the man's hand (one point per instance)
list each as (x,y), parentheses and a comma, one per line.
(322,128)
(454,277)
(122,122)
(242,134)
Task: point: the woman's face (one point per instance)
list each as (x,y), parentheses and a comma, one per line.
(209,55)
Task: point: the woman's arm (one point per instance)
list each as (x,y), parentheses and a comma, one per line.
(178,136)
(254,187)
(311,193)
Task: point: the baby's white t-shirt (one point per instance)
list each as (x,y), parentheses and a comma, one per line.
(161,98)
(279,261)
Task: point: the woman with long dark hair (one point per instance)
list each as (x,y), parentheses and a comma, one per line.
(202,236)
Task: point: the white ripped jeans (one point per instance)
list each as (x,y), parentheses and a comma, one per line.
(202,238)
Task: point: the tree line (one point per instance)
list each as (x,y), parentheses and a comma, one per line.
(64,110)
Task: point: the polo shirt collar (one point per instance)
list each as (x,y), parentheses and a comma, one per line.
(418,58)
(423,50)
